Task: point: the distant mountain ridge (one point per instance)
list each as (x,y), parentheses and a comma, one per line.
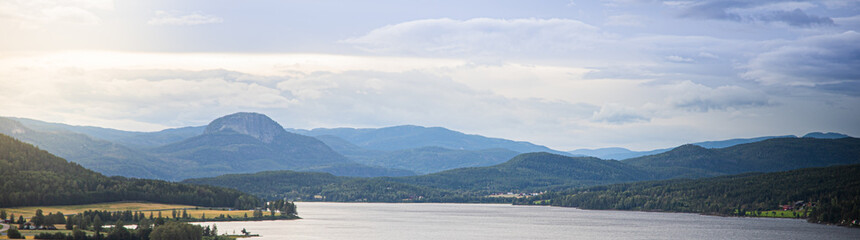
(242,142)
(618,153)
(410,136)
(532,172)
(421,149)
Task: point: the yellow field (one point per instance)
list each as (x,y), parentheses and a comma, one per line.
(154,208)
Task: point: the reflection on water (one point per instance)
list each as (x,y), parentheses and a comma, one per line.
(499,221)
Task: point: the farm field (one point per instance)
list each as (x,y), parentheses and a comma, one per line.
(146,207)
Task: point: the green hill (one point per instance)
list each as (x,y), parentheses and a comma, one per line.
(33,177)
(102,156)
(834,190)
(310,186)
(778,154)
(531,172)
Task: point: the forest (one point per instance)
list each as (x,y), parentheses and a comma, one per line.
(829,195)
(33,177)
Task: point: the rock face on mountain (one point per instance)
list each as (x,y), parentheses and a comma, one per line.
(255,125)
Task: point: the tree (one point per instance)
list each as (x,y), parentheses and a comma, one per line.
(214,230)
(69,223)
(177,231)
(144,224)
(3,214)
(118,232)
(38,219)
(14,234)
(77,234)
(21,219)
(245,232)
(184,213)
(97,226)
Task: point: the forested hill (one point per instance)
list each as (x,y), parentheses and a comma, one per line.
(778,154)
(835,191)
(310,186)
(531,172)
(33,177)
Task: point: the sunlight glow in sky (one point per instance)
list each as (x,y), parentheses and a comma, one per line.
(565,74)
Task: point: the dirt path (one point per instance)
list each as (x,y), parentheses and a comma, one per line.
(3,228)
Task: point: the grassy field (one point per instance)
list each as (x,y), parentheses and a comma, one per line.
(154,208)
(777,214)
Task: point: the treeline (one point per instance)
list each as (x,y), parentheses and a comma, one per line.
(170,230)
(834,192)
(33,177)
(308,186)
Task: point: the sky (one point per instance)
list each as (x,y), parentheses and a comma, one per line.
(639,74)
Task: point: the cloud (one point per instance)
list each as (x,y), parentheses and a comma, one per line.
(691,96)
(791,13)
(626,20)
(481,37)
(618,114)
(679,59)
(816,61)
(36,14)
(180,19)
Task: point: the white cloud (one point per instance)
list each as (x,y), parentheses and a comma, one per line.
(36,14)
(690,96)
(626,20)
(679,59)
(619,114)
(181,19)
(480,37)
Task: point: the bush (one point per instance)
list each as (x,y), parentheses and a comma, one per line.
(14,234)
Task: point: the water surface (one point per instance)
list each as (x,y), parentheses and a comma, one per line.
(500,221)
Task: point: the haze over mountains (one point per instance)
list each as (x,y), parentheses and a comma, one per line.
(252,142)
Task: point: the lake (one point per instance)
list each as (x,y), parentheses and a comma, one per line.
(500,221)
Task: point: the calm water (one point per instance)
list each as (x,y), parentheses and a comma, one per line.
(497,221)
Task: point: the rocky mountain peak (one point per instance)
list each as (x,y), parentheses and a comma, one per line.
(256,125)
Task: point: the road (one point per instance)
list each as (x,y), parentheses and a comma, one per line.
(3,228)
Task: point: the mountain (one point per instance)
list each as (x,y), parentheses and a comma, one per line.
(531,172)
(618,153)
(829,135)
(420,149)
(34,177)
(834,191)
(247,142)
(410,137)
(135,140)
(360,170)
(615,153)
(737,141)
(105,157)
(778,154)
(422,159)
